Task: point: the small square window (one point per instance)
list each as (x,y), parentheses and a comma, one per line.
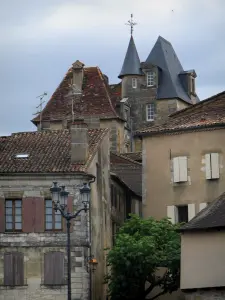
(150,112)
(134,83)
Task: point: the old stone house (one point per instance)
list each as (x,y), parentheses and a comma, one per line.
(155,88)
(202,252)
(33,258)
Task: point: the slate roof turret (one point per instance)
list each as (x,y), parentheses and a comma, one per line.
(131,64)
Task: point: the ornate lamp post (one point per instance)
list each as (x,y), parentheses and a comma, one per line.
(59,199)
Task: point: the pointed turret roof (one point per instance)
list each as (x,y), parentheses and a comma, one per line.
(131,64)
(164,57)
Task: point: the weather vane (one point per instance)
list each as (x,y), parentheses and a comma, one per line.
(131,23)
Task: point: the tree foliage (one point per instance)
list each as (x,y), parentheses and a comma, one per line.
(146,255)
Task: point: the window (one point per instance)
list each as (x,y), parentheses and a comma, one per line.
(180,169)
(150,78)
(13,215)
(150,112)
(192,85)
(134,83)
(13,269)
(54,268)
(181,213)
(53,219)
(212,166)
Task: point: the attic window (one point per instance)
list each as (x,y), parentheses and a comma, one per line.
(22,155)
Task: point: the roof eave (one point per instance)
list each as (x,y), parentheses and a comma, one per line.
(200,229)
(162,132)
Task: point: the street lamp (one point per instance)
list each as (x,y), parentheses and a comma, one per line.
(59,199)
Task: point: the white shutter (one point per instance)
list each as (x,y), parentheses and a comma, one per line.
(202,206)
(215,165)
(176,170)
(191,211)
(172,213)
(208,166)
(183,168)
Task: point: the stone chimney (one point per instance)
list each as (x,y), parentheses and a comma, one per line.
(78,75)
(79,142)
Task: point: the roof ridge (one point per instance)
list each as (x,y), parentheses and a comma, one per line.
(107,92)
(203,102)
(126,158)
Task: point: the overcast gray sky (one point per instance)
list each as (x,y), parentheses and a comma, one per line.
(40,39)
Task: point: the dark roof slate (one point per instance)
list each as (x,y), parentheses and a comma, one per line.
(209,113)
(128,171)
(163,56)
(137,156)
(131,64)
(49,151)
(211,217)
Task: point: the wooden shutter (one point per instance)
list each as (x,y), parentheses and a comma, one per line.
(2,215)
(202,206)
(54,268)
(28,214)
(39,213)
(18,262)
(215,165)
(8,269)
(191,211)
(176,172)
(208,166)
(172,213)
(183,168)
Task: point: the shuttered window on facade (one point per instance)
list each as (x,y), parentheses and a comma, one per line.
(53,219)
(13,215)
(54,269)
(14,269)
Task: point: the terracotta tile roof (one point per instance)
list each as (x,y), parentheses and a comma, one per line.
(137,156)
(127,171)
(95,100)
(49,151)
(209,113)
(211,217)
(116,92)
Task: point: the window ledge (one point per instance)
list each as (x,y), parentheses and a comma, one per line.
(21,287)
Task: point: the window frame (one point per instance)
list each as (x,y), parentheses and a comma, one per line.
(13,215)
(134,82)
(150,78)
(149,108)
(53,222)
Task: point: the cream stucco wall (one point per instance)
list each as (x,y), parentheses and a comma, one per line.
(202,254)
(158,189)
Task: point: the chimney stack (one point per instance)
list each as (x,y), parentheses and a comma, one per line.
(78,74)
(79,142)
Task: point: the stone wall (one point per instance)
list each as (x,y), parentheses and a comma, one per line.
(34,245)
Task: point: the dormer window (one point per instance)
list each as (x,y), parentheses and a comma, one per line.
(192,85)
(134,83)
(150,78)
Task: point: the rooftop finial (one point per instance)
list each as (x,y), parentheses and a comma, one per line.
(131,23)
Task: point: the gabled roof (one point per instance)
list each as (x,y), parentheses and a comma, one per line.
(211,217)
(95,99)
(131,64)
(204,115)
(127,171)
(48,152)
(164,57)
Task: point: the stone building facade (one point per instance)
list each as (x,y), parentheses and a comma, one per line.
(33,260)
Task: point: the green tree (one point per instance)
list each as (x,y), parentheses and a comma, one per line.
(146,255)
